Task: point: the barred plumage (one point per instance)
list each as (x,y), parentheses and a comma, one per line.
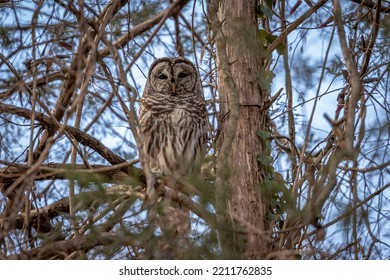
(173,130)
(173,117)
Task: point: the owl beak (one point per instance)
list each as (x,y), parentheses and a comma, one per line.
(173,85)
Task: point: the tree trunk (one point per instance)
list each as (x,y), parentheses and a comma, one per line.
(245,202)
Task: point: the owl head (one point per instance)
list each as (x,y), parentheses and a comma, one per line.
(173,76)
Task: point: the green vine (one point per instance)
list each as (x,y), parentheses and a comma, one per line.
(273,185)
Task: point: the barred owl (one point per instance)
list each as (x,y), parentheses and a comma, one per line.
(173,124)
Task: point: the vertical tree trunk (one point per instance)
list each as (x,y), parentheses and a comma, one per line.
(246,205)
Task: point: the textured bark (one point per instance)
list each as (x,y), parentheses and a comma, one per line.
(246,205)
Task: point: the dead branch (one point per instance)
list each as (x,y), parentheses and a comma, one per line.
(73,77)
(84,200)
(55,171)
(78,135)
(62,249)
(145,26)
(372,5)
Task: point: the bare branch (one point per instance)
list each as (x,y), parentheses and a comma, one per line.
(280,39)
(356,87)
(55,171)
(373,5)
(63,249)
(80,136)
(145,26)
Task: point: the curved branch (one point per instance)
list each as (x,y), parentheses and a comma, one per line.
(86,199)
(356,87)
(118,191)
(144,26)
(42,81)
(74,76)
(352,209)
(80,136)
(372,5)
(292,27)
(62,249)
(55,171)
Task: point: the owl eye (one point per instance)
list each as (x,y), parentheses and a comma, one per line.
(163,77)
(183,75)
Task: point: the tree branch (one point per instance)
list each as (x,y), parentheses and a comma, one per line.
(292,27)
(55,171)
(356,88)
(62,249)
(80,136)
(373,5)
(144,26)
(14,87)
(74,76)
(84,199)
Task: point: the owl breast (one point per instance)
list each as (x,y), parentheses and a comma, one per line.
(174,139)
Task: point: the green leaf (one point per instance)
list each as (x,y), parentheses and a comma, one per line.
(267,39)
(267,11)
(259,12)
(271,38)
(269,169)
(268,148)
(264,135)
(281,49)
(269,3)
(284,148)
(265,160)
(263,37)
(265,79)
